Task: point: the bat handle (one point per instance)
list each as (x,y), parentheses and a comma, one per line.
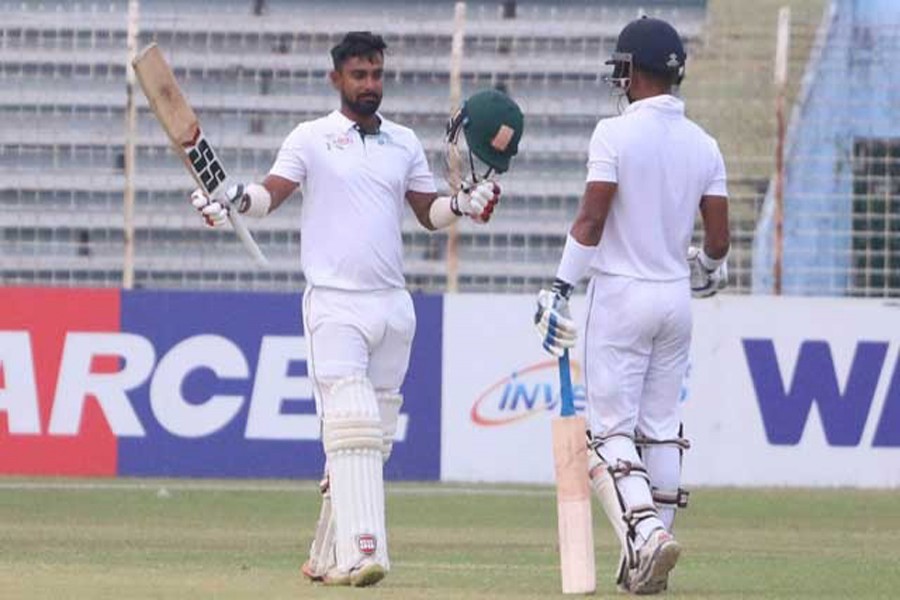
(567,401)
(247,239)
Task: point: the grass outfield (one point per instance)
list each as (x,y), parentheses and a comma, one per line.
(123,539)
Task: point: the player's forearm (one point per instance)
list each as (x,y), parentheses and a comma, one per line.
(279,188)
(258,200)
(716,246)
(586,232)
(716,238)
(437,212)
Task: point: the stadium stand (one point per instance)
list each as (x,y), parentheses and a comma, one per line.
(254,69)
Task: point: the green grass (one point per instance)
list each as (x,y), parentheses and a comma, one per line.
(121,539)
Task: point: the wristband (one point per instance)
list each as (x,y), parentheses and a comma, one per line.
(710,264)
(441,213)
(575,261)
(254,202)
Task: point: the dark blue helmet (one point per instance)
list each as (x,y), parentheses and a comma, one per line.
(651,45)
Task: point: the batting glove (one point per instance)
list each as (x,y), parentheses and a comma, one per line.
(553,319)
(214,213)
(707,277)
(478,202)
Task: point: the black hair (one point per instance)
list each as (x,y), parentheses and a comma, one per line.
(359,44)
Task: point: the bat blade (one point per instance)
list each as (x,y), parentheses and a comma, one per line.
(182,127)
(573,494)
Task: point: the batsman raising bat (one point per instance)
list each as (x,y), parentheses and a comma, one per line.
(649,171)
(355,169)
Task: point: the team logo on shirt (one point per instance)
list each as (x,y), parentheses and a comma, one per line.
(338,141)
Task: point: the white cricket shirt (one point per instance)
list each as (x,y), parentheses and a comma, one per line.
(662,163)
(354,193)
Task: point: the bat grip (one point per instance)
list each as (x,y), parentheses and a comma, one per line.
(567,401)
(247,239)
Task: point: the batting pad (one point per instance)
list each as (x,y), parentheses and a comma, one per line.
(321,552)
(389,408)
(352,435)
(664,467)
(630,481)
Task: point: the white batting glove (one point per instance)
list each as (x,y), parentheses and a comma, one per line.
(479,201)
(214,213)
(554,320)
(707,278)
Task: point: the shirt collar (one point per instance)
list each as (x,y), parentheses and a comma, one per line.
(664,103)
(346,124)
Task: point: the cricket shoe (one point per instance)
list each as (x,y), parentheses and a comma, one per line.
(335,577)
(366,573)
(656,558)
(310,572)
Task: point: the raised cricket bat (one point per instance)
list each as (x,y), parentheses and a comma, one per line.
(183,128)
(573,492)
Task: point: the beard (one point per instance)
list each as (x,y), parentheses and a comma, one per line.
(364,106)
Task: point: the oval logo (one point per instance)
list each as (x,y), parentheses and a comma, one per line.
(525,393)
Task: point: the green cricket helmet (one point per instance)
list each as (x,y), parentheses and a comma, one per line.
(492,123)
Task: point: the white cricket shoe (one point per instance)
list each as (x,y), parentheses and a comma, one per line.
(366,573)
(656,558)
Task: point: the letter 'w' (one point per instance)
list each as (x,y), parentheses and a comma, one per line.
(785,412)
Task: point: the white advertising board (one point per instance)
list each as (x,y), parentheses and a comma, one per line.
(781,391)
(500,391)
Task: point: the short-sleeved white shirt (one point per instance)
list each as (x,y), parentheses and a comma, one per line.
(662,163)
(354,191)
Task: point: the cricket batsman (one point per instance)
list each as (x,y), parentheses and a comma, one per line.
(356,170)
(649,170)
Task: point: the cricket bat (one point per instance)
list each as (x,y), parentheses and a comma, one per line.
(573,492)
(183,128)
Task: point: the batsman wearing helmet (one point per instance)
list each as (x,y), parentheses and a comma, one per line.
(356,170)
(649,170)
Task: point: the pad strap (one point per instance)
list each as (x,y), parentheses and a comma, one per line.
(627,468)
(674,499)
(635,515)
(644,442)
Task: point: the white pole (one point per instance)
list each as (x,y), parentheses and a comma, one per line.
(130,133)
(456,56)
(782,45)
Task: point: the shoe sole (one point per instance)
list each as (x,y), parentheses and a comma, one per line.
(368,575)
(662,564)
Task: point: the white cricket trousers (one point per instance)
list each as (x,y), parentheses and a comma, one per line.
(366,333)
(637,339)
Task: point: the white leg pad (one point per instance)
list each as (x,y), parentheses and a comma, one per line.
(352,436)
(389,408)
(631,483)
(664,468)
(321,553)
(605,489)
